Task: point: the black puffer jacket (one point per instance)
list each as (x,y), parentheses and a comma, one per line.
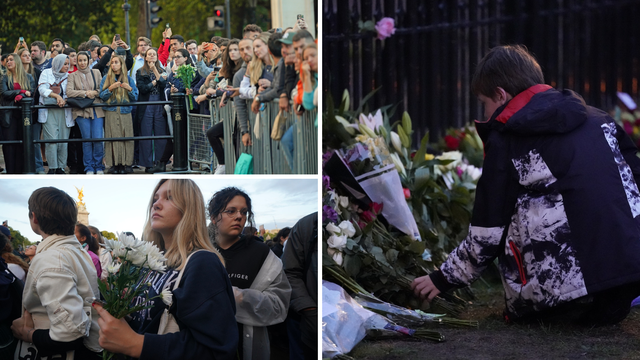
(558,204)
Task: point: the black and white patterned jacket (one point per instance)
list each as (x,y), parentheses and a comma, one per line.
(557,204)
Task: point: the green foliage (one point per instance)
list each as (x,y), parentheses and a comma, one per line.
(17,239)
(75,21)
(108,235)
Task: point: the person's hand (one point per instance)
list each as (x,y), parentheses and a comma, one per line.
(167,33)
(188,91)
(261,89)
(255,106)
(290,59)
(284,104)
(305,67)
(126,86)
(114,44)
(23,328)
(246,139)
(265,83)
(89,94)
(237,294)
(61,102)
(114,86)
(117,336)
(174,89)
(211,92)
(164,75)
(299,109)
(201,98)
(424,288)
(223,101)
(211,76)
(123,44)
(301,24)
(27,93)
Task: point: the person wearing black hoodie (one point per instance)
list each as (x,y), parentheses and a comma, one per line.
(557,204)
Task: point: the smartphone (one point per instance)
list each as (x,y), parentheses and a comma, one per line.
(300,108)
(300,17)
(117,37)
(167,26)
(21,39)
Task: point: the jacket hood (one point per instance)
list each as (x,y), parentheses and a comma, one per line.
(545,111)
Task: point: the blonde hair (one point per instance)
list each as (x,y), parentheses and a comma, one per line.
(120,95)
(21,76)
(32,69)
(256,66)
(191,232)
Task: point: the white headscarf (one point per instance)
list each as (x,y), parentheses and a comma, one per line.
(56,66)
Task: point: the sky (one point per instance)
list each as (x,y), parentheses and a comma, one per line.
(120,204)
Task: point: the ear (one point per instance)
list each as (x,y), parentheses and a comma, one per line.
(33,216)
(501,96)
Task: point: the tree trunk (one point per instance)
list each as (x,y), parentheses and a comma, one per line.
(142,21)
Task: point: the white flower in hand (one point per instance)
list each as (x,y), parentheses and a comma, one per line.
(113,268)
(347,228)
(167,296)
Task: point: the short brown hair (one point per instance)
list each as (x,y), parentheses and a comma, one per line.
(145,39)
(510,67)
(252,28)
(55,211)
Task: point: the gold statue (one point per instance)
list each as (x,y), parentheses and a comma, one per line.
(80,195)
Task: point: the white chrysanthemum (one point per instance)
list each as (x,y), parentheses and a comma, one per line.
(167,296)
(113,268)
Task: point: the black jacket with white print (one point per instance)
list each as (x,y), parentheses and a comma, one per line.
(557,204)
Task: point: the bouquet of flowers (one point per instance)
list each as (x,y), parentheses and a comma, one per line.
(134,263)
(186,73)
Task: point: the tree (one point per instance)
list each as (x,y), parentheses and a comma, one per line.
(17,239)
(108,235)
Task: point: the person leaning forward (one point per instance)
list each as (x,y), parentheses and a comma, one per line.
(557,203)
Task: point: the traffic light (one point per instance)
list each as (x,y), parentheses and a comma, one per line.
(153,10)
(218,17)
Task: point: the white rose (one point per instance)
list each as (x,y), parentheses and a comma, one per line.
(337,257)
(337,242)
(347,228)
(344,201)
(333,229)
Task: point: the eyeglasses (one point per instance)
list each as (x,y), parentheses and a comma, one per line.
(232,212)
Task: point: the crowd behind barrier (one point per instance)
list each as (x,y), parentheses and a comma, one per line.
(268,155)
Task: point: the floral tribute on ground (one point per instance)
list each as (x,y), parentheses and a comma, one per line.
(392,212)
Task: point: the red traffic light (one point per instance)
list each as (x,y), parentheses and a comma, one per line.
(217,13)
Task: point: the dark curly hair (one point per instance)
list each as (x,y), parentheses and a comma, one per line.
(220,199)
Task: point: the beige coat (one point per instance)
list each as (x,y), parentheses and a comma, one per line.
(75,89)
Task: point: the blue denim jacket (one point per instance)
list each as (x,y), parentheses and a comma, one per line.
(106,94)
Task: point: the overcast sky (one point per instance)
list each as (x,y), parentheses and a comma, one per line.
(121,204)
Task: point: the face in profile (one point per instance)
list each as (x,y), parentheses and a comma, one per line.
(165,215)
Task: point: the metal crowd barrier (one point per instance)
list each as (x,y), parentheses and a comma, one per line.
(179,117)
(268,154)
(190,141)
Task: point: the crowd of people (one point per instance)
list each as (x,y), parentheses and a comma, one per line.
(263,66)
(234,296)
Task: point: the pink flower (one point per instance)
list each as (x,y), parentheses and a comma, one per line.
(385,28)
(407,193)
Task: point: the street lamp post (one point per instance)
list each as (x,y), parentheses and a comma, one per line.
(126,7)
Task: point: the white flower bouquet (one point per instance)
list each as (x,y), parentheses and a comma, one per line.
(134,262)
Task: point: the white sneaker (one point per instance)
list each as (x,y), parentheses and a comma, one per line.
(90,173)
(219,170)
(99,172)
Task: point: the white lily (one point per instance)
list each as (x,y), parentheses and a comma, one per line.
(372,122)
(398,163)
(395,141)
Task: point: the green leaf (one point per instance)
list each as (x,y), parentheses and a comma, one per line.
(422,151)
(352,265)
(392,255)
(417,247)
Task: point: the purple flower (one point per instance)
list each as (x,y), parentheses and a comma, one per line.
(328,214)
(385,28)
(326,182)
(326,156)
